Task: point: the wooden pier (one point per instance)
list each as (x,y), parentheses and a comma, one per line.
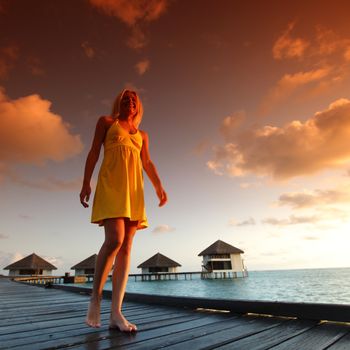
(156,276)
(40,279)
(224,275)
(35,317)
(160,276)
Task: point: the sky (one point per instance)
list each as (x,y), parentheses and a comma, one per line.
(247,107)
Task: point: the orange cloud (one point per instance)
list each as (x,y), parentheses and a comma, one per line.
(325,42)
(288,47)
(310,199)
(322,217)
(289,83)
(326,55)
(293,220)
(347,54)
(31,133)
(328,42)
(137,40)
(231,123)
(298,148)
(133,13)
(142,67)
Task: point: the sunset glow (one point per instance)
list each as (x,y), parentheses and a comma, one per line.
(247,105)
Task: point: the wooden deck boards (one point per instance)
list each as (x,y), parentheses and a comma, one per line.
(47,318)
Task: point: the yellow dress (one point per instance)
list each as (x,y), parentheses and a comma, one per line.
(119,190)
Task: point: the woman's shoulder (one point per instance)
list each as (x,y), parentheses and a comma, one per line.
(143,134)
(105,121)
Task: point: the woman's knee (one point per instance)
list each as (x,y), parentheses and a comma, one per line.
(125,248)
(114,239)
(112,244)
(114,234)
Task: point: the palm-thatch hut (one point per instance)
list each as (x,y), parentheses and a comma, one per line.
(31,265)
(159,263)
(221,260)
(85,267)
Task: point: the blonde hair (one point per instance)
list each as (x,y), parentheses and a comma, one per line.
(139,109)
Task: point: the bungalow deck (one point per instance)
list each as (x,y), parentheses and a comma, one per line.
(50,318)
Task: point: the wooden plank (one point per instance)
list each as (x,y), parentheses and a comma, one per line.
(52,299)
(319,338)
(341,344)
(135,313)
(37,312)
(91,334)
(19,321)
(74,322)
(42,309)
(118,339)
(225,335)
(64,318)
(30,322)
(105,309)
(61,334)
(268,338)
(172,337)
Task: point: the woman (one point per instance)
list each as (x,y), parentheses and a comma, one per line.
(118,202)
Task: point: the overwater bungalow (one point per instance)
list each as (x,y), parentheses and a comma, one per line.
(31,265)
(159,263)
(222,260)
(85,267)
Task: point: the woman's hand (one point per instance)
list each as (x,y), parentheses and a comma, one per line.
(85,195)
(162,196)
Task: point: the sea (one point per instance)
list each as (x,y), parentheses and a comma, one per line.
(328,285)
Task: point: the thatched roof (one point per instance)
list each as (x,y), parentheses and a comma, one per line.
(88,263)
(31,262)
(220,247)
(159,260)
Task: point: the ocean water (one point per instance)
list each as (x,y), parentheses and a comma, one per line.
(305,285)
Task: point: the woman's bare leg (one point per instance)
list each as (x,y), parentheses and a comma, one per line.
(114,237)
(120,279)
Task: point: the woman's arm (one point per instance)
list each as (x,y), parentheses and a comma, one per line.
(151,170)
(91,160)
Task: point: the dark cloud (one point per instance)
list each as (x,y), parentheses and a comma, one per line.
(248,222)
(135,14)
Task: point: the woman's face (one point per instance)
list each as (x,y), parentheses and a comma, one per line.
(128,103)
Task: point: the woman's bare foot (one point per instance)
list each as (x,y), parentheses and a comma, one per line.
(93,317)
(117,320)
